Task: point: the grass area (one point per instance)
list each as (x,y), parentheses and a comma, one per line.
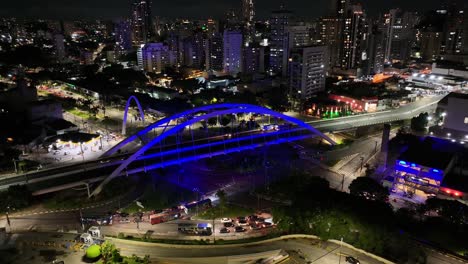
(110,122)
(80,113)
(164,195)
(206,241)
(230,210)
(65,200)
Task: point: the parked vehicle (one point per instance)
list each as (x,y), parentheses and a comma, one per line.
(351,260)
(240,229)
(224,230)
(164,216)
(200,229)
(230,224)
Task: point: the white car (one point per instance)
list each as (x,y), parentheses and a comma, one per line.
(226,220)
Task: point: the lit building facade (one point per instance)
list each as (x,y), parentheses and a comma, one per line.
(154,57)
(232,46)
(279,22)
(214,53)
(354,33)
(141,21)
(123,36)
(253,58)
(307,71)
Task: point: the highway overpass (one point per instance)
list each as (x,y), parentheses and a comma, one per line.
(169,154)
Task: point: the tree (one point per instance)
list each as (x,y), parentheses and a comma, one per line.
(277,99)
(420,122)
(109,253)
(368,188)
(225,120)
(212,121)
(221,194)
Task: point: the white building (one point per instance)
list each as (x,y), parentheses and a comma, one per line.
(307,70)
(232,52)
(154,57)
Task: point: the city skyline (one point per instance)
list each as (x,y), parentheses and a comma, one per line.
(106,9)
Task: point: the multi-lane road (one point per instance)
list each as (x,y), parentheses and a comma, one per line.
(428,104)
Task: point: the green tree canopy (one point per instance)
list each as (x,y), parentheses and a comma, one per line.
(369,189)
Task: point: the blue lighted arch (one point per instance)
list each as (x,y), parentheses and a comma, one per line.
(142,114)
(219,110)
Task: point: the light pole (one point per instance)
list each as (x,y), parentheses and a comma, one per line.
(196,191)
(8,217)
(342,181)
(339,254)
(14,163)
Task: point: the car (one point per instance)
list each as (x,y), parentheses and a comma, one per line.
(255,226)
(224,230)
(253,218)
(351,260)
(240,229)
(243,222)
(226,220)
(230,224)
(267,224)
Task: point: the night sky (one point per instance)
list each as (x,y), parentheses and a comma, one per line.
(106,9)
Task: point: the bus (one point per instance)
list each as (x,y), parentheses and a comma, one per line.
(164,216)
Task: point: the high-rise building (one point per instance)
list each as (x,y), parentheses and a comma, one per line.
(338,8)
(279,43)
(307,71)
(214,53)
(330,34)
(299,35)
(431,43)
(155,57)
(59,47)
(374,59)
(141,21)
(232,45)
(400,35)
(354,32)
(456,30)
(248,12)
(123,35)
(176,46)
(194,51)
(253,58)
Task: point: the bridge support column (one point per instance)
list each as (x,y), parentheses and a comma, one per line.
(87,188)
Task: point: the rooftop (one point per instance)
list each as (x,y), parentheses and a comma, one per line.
(427,157)
(453,95)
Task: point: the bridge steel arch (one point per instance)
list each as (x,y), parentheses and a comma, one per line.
(124,124)
(161,123)
(225,109)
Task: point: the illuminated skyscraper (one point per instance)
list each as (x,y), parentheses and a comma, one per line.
(279,22)
(248,12)
(307,71)
(141,21)
(232,46)
(338,8)
(123,35)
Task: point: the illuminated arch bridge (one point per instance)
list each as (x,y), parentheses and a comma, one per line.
(173,140)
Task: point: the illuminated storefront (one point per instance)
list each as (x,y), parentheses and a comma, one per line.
(421,171)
